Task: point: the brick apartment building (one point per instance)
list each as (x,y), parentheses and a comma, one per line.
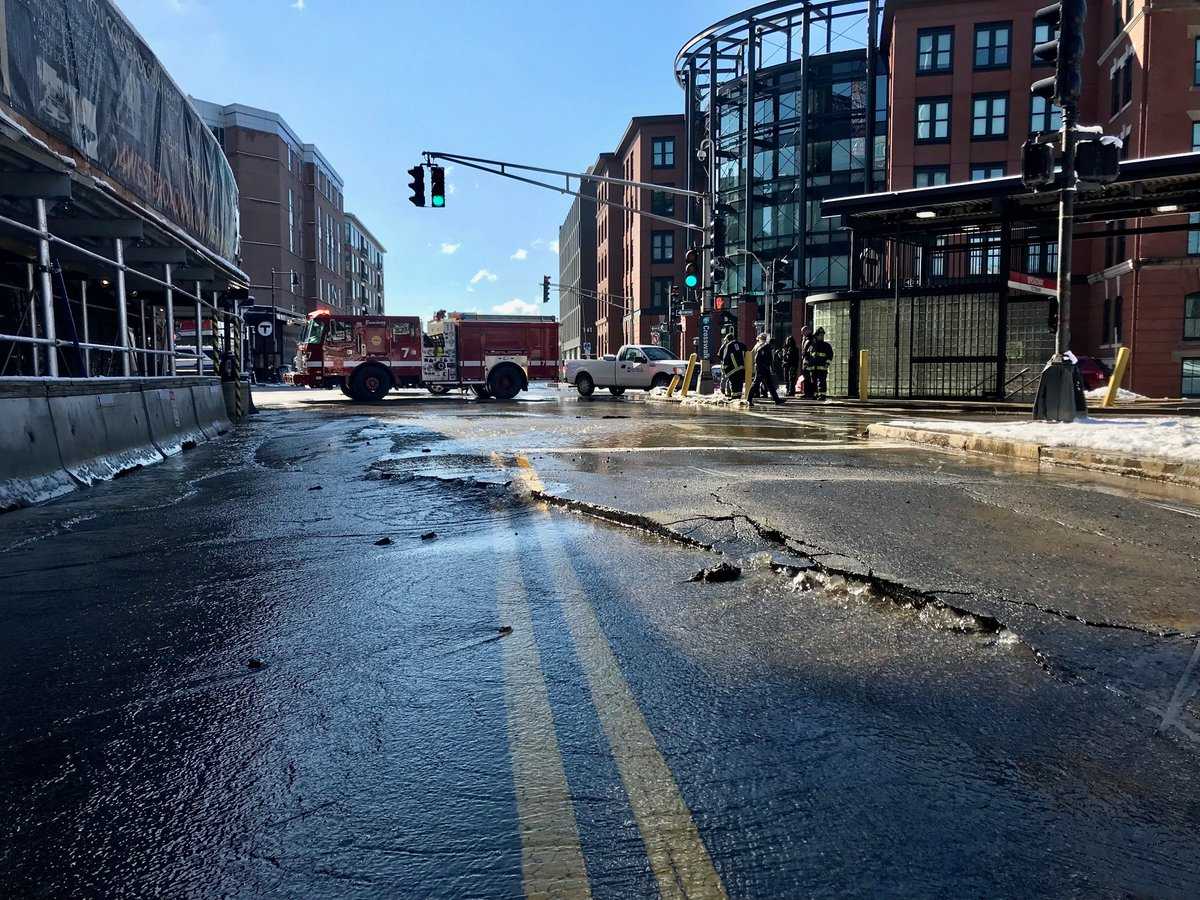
(363,264)
(290,200)
(638,259)
(577,277)
(960,110)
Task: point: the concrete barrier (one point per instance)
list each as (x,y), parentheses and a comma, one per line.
(31,468)
(172,418)
(210,409)
(102,427)
(58,434)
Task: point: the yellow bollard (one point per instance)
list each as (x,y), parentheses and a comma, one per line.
(864,374)
(687,376)
(1118,375)
(676,380)
(749,375)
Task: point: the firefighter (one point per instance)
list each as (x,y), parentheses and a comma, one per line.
(764,379)
(789,357)
(733,364)
(820,355)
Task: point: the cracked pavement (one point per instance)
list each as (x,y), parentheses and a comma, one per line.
(935,675)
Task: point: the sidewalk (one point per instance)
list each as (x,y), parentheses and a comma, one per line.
(1165,449)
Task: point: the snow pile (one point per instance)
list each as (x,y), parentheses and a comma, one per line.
(1177,440)
(716,399)
(1123,396)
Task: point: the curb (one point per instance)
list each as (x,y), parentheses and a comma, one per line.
(1148,468)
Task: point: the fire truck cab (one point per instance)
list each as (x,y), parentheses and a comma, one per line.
(367,356)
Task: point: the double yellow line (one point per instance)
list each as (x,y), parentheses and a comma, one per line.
(552,858)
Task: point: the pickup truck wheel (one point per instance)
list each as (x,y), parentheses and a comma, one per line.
(616,391)
(438,389)
(585,385)
(504,382)
(661,380)
(481,392)
(370,383)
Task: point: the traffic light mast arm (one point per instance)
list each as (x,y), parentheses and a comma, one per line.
(497,167)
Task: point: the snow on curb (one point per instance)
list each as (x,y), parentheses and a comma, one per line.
(1163,449)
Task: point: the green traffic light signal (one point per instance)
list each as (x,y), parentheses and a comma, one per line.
(691,280)
(437,181)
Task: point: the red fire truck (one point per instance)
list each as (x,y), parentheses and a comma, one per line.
(367,356)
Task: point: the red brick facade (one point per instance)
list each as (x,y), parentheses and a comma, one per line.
(1137,287)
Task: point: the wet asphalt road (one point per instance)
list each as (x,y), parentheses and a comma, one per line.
(936,676)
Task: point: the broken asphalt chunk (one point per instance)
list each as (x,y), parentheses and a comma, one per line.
(504,629)
(719,573)
(255,663)
(429,536)
(383,542)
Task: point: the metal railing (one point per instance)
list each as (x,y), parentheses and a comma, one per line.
(52,343)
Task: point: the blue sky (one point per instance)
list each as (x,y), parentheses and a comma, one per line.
(375,82)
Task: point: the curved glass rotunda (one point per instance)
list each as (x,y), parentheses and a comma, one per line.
(780,116)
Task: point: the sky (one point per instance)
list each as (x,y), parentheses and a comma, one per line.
(374,82)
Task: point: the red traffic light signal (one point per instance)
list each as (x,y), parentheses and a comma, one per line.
(718,303)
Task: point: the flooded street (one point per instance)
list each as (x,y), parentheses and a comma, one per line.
(432,648)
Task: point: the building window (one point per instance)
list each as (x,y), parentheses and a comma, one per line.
(1042,258)
(984,254)
(1122,85)
(1196,64)
(1042,34)
(662,246)
(1194,236)
(930,176)
(935,50)
(1195,137)
(987,170)
(660,292)
(1191,378)
(291,221)
(933,120)
(989,116)
(1191,317)
(662,152)
(662,203)
(991,45)
(1044,115)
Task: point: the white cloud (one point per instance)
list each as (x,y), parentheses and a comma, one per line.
(451,189)
(554,247)
(483,275)
(298,5)
(537,242)
(449,249)
(521,253)
(515,307)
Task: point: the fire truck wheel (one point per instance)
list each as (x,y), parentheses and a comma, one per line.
(439,389)
(504,382)
(370,383)
(481,392)
(345,389)
(616,391)
(585,385)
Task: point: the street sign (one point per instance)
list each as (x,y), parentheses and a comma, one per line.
(587,347)
(1033,284)
(266,329)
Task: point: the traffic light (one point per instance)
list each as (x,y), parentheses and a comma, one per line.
(673,304)
(716,269)
(691,268)
(781,278)
(417,186)
(717,228)
(1098,161)
(437,182)
(1065,52)
(545,288)
(1037,164)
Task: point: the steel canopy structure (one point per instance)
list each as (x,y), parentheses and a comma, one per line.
(952,285)
(783,109)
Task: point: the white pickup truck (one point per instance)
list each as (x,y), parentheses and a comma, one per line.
(642,366)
